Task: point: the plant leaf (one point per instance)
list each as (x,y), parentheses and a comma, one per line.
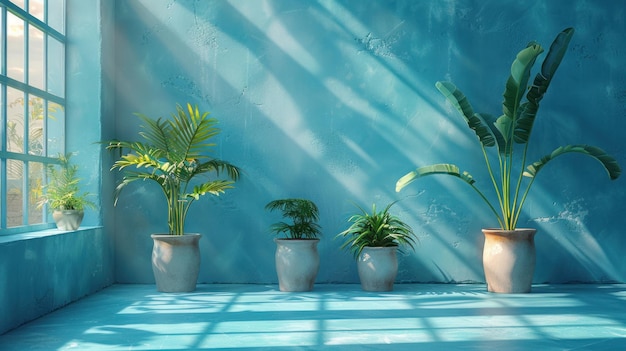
(518,80)
(474,120)
(441,168)
(376,229)
(528,110)
(609,163)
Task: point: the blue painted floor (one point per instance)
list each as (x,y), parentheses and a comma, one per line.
(333,317)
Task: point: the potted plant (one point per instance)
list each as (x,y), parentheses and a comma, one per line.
(297,259)
(174,154)
(62,194)
(509,252)
(374,238)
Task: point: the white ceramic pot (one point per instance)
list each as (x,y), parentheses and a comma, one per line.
(297,263)
(509,260)
(176,261)
(68,219)
(378,267)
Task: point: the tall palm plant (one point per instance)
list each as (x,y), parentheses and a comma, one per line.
(511,132)
(173,153)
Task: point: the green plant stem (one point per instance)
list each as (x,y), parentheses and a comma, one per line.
(521,204)
(516,209)
(498,217)
(495,185)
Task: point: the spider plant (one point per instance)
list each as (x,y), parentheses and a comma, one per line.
(304,215)
(376,229)
(173,153)
(510,133)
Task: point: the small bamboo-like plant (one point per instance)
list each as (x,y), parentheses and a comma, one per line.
(173,154)
(304,215)
(510,133)
(376,229)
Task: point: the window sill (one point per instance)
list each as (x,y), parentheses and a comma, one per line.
(9,238)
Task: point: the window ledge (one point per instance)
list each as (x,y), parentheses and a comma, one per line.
(9,238)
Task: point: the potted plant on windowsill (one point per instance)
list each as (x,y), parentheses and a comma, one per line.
(62,194)
(374,238)
(174,153)
(509,252)
(297,259)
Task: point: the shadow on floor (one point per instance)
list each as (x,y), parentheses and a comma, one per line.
(333,317)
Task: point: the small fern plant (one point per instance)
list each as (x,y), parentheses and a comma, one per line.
(62,191)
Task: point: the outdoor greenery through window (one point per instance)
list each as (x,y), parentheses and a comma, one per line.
(32,100)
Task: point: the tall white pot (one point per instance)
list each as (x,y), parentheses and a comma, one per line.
(378,267)
(297,263)
(176,261)
(509,260)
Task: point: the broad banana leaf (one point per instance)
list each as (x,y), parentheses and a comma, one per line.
(441,168)
(528,110)
(609,163)
(516,88)
(518,79)
(481,124)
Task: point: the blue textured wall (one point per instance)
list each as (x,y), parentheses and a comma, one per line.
(335,100)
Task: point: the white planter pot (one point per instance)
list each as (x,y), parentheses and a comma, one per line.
(68,219)
(509,260)
(378,267)
(297,263)
(176,262)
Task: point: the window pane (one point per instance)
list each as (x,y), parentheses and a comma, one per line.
(35,58)
(35,190)
(55,130)
(2,130)
(35,125)
(56,15)
(15,181)
(56,67)
(31,124)
(15,120)
(19,3)
(1,46)
(15,47)
(35,8)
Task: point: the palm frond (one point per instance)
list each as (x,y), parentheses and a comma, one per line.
(173,153)
(303,213)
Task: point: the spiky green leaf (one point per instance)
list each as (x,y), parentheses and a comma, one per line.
(376,229)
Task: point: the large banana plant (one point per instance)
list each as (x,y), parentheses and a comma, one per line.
(172,154)
(510,133)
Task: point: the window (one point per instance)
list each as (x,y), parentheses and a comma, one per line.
(32,106)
